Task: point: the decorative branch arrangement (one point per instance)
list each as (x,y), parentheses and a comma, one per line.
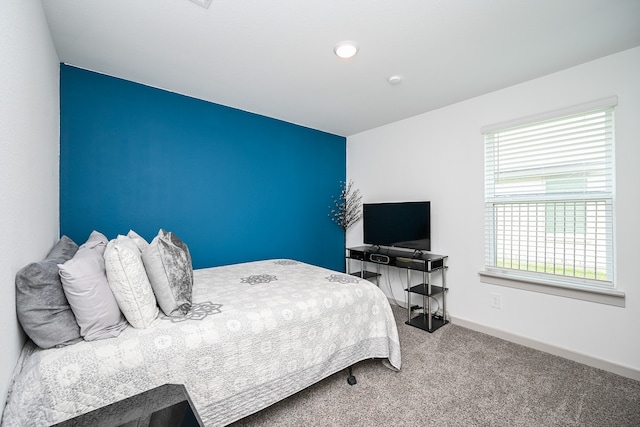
(347,208)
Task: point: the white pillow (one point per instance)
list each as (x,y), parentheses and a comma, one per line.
(140,242)
(129,282)
(85,285)
(168,264)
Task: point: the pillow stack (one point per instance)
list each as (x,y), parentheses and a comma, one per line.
(95,291)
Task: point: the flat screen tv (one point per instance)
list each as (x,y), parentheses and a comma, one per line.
(403,225)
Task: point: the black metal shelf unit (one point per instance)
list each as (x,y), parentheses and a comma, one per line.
(424,262)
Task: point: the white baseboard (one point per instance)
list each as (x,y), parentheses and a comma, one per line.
(585,359)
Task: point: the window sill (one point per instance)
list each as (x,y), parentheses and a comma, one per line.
(602,296)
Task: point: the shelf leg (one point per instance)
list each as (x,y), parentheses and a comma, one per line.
(429,320)
(444,294)
(408,295)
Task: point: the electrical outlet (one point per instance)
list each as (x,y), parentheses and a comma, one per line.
(496,300)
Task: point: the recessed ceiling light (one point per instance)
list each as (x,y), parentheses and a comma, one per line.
(346,49)
(395,80)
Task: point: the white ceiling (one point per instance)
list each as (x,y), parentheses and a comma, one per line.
(275,57)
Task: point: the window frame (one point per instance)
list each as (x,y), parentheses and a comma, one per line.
(585,289)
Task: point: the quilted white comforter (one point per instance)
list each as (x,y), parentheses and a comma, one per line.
(258,332)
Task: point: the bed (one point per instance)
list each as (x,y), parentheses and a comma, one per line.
(256,333)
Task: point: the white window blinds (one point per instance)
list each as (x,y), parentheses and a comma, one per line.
(549,198)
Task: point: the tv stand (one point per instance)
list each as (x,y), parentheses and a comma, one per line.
(424,262)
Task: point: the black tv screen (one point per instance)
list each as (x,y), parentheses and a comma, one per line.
(403,225)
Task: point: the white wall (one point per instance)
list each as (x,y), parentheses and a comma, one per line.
(29,152)
(438,156)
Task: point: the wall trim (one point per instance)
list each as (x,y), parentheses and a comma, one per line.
(585,359)
(603,296)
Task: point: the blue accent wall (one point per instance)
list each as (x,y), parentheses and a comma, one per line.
(234,186)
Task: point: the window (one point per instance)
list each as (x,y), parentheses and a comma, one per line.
(549,198)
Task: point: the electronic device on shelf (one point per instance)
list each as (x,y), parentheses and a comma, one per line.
(379,258)
(398,224)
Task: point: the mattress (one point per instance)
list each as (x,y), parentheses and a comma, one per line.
(257,333)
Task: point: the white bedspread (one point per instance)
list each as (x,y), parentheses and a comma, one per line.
(258,332)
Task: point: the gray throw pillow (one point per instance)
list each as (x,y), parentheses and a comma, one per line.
(43,309)
(84,281)
(168,264)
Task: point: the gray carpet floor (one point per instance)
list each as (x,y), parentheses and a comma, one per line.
(459,377)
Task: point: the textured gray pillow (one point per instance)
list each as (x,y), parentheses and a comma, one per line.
(84,281)
(168,264)
(43,309)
